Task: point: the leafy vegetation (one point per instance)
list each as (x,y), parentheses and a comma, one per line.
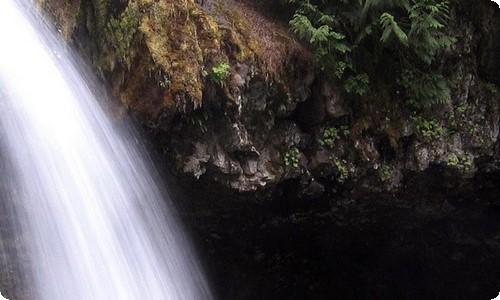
(368,43)
(429,129)
(220,73)
(424,90)
(332,134)
(341,168)
(463,163)
(291,158)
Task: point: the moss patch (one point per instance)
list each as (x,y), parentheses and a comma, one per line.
(179,43)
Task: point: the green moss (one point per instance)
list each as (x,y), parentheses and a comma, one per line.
(239,36)
(121,31)
(181,39)
(176,39)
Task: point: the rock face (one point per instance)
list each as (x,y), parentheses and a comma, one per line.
(256,109)
(274,130)
(297,191)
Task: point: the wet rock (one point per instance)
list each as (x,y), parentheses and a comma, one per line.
(334,101)
(274,99)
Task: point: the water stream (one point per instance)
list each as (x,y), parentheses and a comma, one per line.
(94,213)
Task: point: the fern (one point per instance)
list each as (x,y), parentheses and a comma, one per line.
(301,26)
(358,84)
(327,42)
(390,26)
(425,90)
(428,19)
(355,39)
(327,20)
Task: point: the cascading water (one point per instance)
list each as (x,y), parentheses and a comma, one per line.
(93,212)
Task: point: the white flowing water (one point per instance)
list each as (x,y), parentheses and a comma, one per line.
(95,214)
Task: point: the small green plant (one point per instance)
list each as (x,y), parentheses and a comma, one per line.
(460,162)
(291,158)
(428,128)
(385,173)
(452,160)
(341,167)
(465,163)
(330,135)
(220,73)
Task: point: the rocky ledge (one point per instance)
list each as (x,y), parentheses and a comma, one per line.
(258,111)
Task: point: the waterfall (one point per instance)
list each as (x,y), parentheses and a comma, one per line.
(94,212)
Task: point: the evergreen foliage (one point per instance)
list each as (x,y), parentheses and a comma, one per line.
(368,43)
